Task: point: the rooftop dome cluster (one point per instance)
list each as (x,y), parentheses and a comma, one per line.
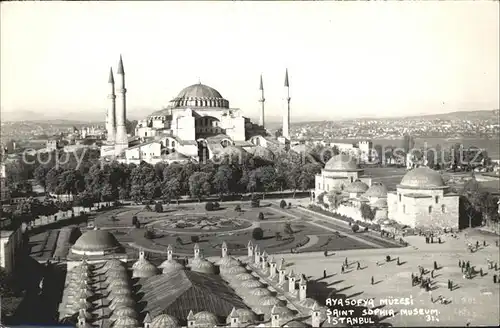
(78,289)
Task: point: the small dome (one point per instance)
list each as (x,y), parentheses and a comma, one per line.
(422,178)
(343,163)
(121,300)
(380,203)
(124,311)
(235,270)
(205,319)
(118,283)
(260,292)
(284,312)
(376,190)
(203,266)
(164,321)
(357,187)
(170,266)
(244,277)
(245,316)
(251,284)
(116,275)
(114,263)
(119,291)
(309,303)
(126,322)
(96,241)
(143,269)
(227,262)
(269,301)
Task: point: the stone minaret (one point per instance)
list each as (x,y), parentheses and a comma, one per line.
(275,317)
(121,141)
(286,116)
(111,114)
(302,289)
(291,283)
(261,100)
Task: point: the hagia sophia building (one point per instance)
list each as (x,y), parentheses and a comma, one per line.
(104,288)
(198,124)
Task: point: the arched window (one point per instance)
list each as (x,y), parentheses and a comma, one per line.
(436,198)
(443,208)
(351,179)
(404,209)
(399,197)
(430,209)
(173,143)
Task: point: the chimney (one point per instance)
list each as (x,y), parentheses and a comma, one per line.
(196,251)
(281,276)
(234,319)
(275,317)
(315,316)
(147,320)
(142,255)
(272,265)
(302,289)
(190,319)
(264,261)
(170,253)
(224,249)
(291,283)
(257,256)
(250,249)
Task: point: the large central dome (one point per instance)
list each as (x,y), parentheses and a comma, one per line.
(199,95)
(199,91)
(422,178)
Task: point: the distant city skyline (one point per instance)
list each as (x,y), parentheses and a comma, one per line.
(345,60)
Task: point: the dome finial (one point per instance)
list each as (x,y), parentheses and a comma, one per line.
(199,80)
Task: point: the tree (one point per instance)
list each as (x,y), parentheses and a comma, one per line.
(334,198)
(195,239)
(366,212)
(171,189)
(158,207)
(257,233)
(199,185)
(134,220)
(282,203)
(261,216)
(267,176)
(221,179)
(278,236)
(209,206)
(40,175)
(355,228)
(237,208)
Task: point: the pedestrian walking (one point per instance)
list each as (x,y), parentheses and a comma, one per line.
(432,274)
(484,243)
(496,266)
(467,266)
(435,265)
(449,284)
(439,240)
(359,266)
(326,253)
(373,281)
(477,243)
(398,262)
(481,272)
(495,278)
(460,263)
(346,263)
(324,274)
(342,269)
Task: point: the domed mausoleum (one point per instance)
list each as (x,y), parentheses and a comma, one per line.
(423,200)
(340,172)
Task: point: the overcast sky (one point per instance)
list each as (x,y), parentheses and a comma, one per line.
(345,59)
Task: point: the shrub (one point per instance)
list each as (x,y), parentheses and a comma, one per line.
(216,206)
(257,233)
(366,228)
(255,203)
(209,206)
(355,228)
(282,203)
(148,208)
(195,239)
(148,234)
(134,220)
(137,224)
(278,236)
(237,208)
(158,207)
(178,240)
(261,216)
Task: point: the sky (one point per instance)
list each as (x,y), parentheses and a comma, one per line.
(345,59)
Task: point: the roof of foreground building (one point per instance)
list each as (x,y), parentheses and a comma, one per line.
(182,291)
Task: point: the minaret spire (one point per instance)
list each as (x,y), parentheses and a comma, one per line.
(111,114)
(121,142)
(286,116)
(261,100)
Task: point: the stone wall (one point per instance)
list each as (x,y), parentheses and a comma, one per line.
(439,217)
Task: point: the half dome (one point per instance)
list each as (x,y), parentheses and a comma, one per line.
(422,178)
